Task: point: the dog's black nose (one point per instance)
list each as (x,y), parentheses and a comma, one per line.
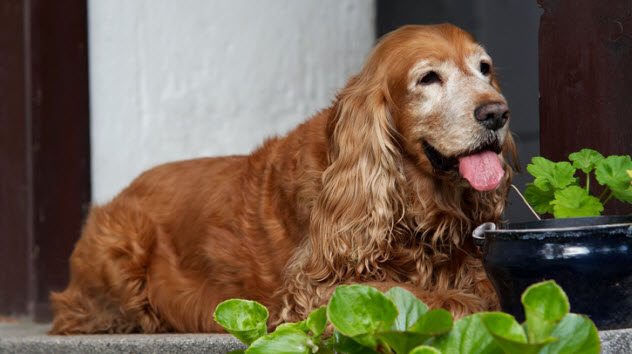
(492,116)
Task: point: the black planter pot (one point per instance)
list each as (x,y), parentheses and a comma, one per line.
(590,258)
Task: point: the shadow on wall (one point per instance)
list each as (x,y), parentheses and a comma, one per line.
(509,32)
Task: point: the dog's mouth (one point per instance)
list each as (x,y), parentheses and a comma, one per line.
(481,167)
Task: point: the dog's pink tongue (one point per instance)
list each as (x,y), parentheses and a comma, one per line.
(482,170)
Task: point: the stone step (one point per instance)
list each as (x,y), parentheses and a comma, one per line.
(32,338)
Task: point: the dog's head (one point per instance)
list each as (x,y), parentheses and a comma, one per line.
(424,118)
(441,95)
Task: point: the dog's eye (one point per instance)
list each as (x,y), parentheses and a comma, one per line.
(485,68)
(431,77)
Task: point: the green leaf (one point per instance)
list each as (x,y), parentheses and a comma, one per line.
(624,196)
(299,326)
(434,323)
(551,175)
(505,326)
(424,349)
(545,305)
(244,319)
(509,334)
(585,159)
(402,342)
(577,334)
(317,321)
(346,345)
(411,311)
(369,340)
(612,172)
(409,308)
(575,201)
(468,336)
(357,309)
(283,341)
(539,199)
(237,351)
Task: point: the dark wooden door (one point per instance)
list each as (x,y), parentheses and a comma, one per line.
(44,148)
(586,78)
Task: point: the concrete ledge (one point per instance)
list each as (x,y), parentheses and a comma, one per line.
(32,338)
(616,341)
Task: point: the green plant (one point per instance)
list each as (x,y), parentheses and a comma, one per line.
(556,188)
(365,320)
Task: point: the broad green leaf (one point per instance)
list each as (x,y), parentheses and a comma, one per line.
(369,340)
(509,334)
(244,319)
(545,305)
(551,175)
(504,325)
(402,342)
(612,172)
(237,351)
(357,309)
(433,323)
(346,345)
(317,321)
(424,349)
(624,196)
(409,308)
(576,334)
(299,326)
(468,336)
(283,341)
(575,201)
(585,159)
(539,199)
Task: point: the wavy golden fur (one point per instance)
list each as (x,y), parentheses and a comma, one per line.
(350,196)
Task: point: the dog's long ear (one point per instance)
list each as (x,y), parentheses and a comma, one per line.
(351,228)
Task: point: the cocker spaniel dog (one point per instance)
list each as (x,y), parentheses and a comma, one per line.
(382,188)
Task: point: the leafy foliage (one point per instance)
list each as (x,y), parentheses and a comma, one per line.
(585,159)
(540,199)
(556,190)
(574,201)
(357,310)
(551,175)
(364,320)
(244,319)
(612,172)
(468,335)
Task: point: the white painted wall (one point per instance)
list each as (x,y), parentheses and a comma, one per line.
(177,79)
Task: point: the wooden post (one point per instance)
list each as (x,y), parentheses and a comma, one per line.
(586,78)
(45,140)
(15,275)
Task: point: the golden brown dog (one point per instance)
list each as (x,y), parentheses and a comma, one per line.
(384,187)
